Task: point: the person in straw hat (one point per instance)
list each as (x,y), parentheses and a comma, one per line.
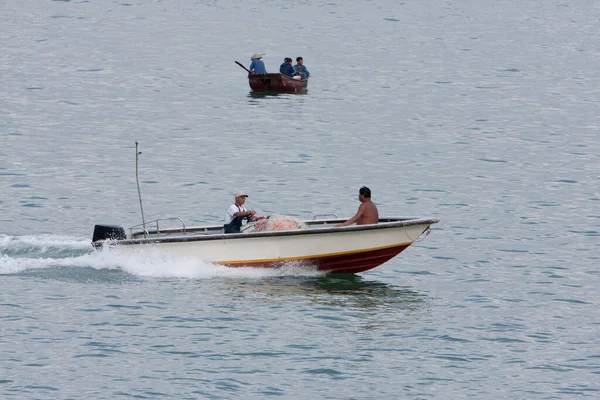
(257,66)
(236,213)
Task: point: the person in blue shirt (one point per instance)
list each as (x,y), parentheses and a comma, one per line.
(300,69)
(286,68)
(257,66)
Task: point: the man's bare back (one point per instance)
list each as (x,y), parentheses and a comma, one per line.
(367,211)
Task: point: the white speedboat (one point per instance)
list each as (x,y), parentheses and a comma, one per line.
(316,243)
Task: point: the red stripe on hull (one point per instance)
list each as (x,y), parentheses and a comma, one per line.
(345,263)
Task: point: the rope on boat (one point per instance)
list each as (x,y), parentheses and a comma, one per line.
(423,235)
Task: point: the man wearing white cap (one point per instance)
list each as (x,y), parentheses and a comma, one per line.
(236,213)
(257,66)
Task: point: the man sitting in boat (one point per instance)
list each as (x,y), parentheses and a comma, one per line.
(286,68)
(367,211)
(257,66)
(236,213)
(300,69)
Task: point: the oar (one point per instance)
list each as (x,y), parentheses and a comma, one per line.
(240,64)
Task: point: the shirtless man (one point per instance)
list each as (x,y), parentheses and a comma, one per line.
(367,211)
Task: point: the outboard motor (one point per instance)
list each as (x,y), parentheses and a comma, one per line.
(108,232)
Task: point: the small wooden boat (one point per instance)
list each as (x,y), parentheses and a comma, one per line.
(276,83)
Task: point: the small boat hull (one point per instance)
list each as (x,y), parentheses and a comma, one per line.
(276,83)
(350,249)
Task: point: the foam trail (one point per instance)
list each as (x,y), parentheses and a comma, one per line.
(22,253)
(43,245)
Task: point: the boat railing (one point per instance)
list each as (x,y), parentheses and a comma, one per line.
(156,222)
(324,215)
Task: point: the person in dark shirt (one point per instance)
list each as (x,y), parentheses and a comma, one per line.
(286,68)
(300,69)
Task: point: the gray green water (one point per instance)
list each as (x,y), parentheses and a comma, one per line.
(484,114)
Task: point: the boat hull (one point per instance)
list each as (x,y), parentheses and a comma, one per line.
(349,263)
(276,83)
(350,249)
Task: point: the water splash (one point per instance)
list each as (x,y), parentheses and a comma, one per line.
(20,254)
(43,245)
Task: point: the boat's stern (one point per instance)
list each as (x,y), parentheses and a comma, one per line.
(108,232)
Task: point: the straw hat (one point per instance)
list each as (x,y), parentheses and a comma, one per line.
(256,56)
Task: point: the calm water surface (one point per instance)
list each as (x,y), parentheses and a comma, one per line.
(484,114)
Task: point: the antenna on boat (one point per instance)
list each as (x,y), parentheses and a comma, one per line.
(137,153)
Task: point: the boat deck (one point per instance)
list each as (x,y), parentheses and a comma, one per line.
(155,231)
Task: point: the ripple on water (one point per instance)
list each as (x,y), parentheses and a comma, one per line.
(497,305)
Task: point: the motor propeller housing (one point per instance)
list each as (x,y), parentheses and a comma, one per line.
(108,232)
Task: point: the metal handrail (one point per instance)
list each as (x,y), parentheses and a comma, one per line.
(131,228)
(324,215)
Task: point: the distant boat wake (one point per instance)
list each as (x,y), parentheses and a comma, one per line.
(25,254)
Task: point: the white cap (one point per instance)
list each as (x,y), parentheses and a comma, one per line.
(240,193)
